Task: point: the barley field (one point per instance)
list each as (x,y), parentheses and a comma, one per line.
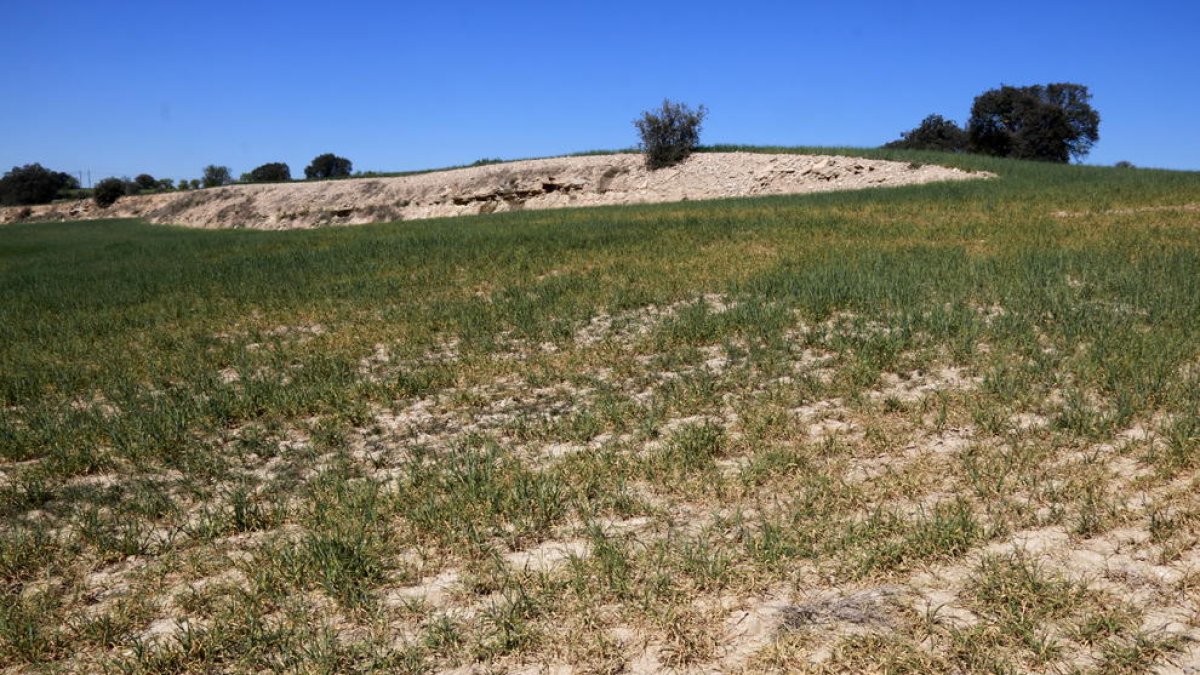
(942,428)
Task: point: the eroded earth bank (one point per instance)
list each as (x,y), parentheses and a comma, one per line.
(530,184)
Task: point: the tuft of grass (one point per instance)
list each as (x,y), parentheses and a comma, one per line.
(477,493)
(689,450)
(1022,601)
(888,544)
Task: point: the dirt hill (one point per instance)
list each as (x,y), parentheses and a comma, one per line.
(529,184)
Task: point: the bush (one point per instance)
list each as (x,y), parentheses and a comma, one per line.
(216,176)
(146,182)
(1124,164)
(670,134)
(33,184)
(108,191)
(934,133)
(273,172)
(328,165)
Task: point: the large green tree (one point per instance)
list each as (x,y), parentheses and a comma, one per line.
(1053,122)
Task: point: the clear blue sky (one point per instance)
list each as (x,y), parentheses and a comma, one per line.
(127,87)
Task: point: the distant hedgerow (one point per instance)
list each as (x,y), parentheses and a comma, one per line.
(669,134)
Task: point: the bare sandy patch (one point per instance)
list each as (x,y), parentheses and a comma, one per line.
(1129,211)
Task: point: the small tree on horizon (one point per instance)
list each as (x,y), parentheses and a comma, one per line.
(669,134)
(934,133)
(328,165)
(272,172)
(146,182)
(216,176)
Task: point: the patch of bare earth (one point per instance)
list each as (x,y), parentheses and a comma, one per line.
(1130,211)
(529,184)
(1075,554)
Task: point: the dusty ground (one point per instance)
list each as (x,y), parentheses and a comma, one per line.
(950,585)
(531,184)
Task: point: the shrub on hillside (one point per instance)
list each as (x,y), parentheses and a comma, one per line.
(108,191)
(328,165)
(670,134)
(272,172)
(145,182)
(216,176)
(934,133)
(33,184)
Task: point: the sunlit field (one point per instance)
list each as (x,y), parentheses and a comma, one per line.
(953,427)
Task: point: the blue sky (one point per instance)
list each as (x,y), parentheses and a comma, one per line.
(168,87)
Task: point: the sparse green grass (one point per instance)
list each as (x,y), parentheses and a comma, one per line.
(264,445)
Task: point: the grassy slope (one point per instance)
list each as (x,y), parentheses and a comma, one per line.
(123,432)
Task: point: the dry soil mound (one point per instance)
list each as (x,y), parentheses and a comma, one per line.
(530,184)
